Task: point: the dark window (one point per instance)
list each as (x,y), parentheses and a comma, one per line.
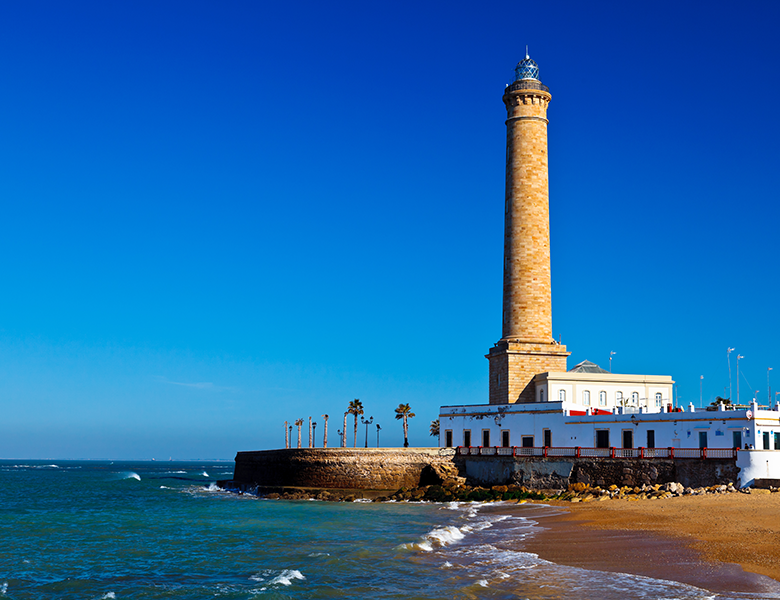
(528,441)
(736,439)
(467,437)
(448,438)
(486,438)
(628,438)
(702,439)
(602,438)
(505,439)
(651,438)
(777,441)
(548,438)
(766,441)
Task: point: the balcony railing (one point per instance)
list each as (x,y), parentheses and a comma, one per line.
(581,452)
(527,84)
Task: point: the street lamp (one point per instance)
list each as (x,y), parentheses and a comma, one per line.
(314,433)
(341,436)
(728,359)
(366,423)
(378,429)
(738,357)
(611,353)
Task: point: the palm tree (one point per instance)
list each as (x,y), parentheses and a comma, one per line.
(311,442)
(299,423)
(344,432)
(435,428)
(404,411)
(325,433)
(286,436)
(355,409)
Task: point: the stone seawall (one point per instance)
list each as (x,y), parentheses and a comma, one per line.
(347,468)
(557,473)
(394,468)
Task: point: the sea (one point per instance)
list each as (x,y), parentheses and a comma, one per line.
(146,530)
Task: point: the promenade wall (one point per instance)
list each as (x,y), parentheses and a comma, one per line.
(353,468)
(394,468)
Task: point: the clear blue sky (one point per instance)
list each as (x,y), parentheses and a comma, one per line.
(220,216)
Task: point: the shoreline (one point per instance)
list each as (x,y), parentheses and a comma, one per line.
(722,543)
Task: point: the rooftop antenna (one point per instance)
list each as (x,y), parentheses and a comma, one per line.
(526,51)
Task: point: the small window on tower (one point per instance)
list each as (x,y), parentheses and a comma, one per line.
(602,398)
(562,395)
(586,398)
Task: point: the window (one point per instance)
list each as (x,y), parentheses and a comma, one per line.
(634,398)
(541,395)
(562,395)
(766,441)
(651,438)
(618,398)
(467,437)
(505,438)
(659,400)
(528,441)
(602,438)
(485,438)
(586,398)
(603,400)
(448,438)
(548,438)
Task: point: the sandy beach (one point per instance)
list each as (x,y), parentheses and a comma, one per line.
(668,538)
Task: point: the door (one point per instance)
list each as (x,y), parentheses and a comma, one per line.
(766,441)
(505,439)
(702,439)
(602,438)
(650,438)
(467,438)
(485,438)
(736,439)
(548,438)
(628,438)
(448,438)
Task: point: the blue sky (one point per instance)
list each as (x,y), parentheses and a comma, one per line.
(218,217)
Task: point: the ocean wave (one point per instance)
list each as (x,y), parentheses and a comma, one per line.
(285,578)
(3,588)
(436,538)
(130,475)
(204,474)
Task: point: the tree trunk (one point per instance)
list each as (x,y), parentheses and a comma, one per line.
(311,443)
(299,435)
(406,433)
(344,437)
(325,432)
(354,442)
(286,436)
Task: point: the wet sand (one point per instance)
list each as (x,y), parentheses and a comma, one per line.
(705,541)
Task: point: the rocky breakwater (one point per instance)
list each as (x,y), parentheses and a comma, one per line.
(583,492)
(386,469)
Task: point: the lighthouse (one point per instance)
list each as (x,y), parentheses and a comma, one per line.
(526,347)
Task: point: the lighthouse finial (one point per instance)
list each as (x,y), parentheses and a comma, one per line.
(526,51)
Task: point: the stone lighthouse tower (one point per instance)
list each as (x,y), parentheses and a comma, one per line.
(526,346)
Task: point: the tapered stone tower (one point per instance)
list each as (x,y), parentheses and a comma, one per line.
(526,346)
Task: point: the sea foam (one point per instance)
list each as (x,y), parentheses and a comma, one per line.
(285,578)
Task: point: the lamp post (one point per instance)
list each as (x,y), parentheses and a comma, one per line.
(611,353)
(367,422)
(728,359)
(738,357)
(314,434)
(378,429)
(701,389)
(341,436)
